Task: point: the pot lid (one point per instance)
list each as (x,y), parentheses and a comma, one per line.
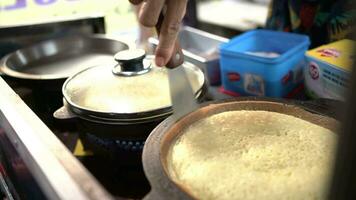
(132,85)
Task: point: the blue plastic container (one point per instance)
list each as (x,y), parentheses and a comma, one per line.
(248,74)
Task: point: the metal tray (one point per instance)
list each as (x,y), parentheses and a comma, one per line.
(200,48)
(60,58)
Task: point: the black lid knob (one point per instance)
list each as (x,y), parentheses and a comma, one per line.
(131,62)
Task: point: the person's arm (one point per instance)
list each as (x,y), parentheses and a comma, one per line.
(174,13)
(144,32)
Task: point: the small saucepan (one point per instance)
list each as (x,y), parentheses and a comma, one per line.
(123,100)
(44,67)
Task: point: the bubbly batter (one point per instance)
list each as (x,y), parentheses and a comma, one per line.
(253,155)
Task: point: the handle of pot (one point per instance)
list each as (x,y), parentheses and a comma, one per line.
(323,106)
(152,195)
(64,113)
(177,58)
(1,70)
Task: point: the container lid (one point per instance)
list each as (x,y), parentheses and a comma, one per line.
(339,54)
(252,44)
(133,88)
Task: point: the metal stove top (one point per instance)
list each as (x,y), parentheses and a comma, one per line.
(114,174)
(122,175)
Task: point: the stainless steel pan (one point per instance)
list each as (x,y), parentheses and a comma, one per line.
(60,58)
(45,66)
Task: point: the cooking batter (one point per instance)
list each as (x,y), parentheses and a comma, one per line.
(253,155)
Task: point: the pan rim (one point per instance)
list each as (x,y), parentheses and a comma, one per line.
(156,147)
(7,70)
(114,117)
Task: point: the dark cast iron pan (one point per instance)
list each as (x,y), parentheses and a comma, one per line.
(158,143)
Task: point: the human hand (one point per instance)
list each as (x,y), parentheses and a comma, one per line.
(174,13)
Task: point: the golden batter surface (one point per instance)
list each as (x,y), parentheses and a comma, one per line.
(253,155)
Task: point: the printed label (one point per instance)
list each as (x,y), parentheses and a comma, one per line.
(286,78)
(329,52)
(233,76)
(254,84)
(313,70)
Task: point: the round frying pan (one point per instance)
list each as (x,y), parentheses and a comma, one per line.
(60,58)
(157,145)
(43,67)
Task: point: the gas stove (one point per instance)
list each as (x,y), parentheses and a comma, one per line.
(99,168)
(118,168)
(114,163)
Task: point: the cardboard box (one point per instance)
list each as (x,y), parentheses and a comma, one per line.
(328,70)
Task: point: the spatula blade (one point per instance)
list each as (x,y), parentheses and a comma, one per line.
(182,95)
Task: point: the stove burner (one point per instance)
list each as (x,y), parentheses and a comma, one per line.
(114,145)
(120,169)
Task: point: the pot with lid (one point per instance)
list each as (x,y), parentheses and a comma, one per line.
(182,158)
(43,67)
(125,99)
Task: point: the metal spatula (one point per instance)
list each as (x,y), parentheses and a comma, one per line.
(182,95)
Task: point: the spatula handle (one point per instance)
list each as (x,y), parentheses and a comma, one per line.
(177,58)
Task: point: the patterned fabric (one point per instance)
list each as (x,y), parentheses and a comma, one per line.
(324,21)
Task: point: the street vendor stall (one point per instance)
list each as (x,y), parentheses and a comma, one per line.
(86,112)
